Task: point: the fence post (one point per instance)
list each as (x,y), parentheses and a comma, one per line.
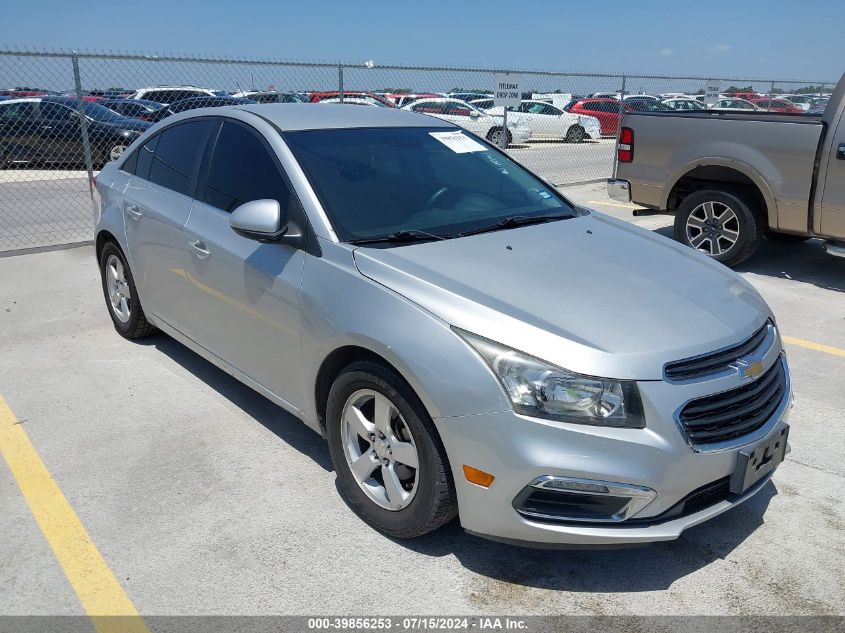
(619,124)
(340,81)
(86,141)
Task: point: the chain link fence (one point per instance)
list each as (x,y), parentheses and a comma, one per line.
(64,114)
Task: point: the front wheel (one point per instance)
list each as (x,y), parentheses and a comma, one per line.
(495,137)
(720,224)
(390,463)
(575,134)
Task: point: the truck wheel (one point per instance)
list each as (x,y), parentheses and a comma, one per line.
(787,238)
(720,224)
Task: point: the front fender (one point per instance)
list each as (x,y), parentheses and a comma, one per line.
(341,307)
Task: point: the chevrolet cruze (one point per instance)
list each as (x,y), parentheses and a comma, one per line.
(469,342)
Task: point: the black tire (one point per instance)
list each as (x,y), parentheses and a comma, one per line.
(787,238)
(575,134)
(434,502)
(137,325)
(508,136)
(750,224)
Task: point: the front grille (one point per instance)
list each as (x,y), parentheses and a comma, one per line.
(731,414)
(700,366)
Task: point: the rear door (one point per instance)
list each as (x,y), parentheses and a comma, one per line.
(245,293)
(19,136)
(60,132)
(157,203)
(833,197)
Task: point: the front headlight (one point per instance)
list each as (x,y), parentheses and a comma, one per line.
(539,389)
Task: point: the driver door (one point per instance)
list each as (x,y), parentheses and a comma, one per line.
(245,293)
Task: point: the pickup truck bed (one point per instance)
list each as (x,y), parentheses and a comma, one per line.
(777,174)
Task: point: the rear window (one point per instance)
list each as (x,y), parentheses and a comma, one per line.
(178,154)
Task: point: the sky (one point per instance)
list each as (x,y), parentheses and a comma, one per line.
(747,38)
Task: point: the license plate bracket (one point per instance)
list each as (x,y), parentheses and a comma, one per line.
(755,462)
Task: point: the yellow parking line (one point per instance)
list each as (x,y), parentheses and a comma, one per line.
(800,342)
(94,583)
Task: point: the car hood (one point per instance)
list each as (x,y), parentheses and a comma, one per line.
(590,294)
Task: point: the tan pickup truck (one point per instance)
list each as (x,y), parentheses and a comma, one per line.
(733,178)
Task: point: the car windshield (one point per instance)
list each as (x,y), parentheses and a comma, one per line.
(375,182)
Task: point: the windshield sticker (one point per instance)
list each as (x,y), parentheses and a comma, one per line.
(544,194)
(458,142)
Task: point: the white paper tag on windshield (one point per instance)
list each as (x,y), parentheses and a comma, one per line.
(458,142)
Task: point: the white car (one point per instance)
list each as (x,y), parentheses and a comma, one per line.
(471,118)
(353,101)
(171,94)
(684,103)
(550,122)
(734,104)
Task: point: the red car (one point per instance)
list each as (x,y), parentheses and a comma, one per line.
(777,105)
(22,92)
(605,110)
(316,97)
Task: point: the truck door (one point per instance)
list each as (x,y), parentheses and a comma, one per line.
(833,196)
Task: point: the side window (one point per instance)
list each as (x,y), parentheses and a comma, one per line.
(429,107)
(56,112)
(242,170)
(178,154)
(141,159)
(20,111)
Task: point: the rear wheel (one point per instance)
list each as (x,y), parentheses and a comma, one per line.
(575,134)
(391,466)
(121,295)
(720,224)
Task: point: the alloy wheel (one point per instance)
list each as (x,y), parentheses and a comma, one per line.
(379,449)
(118,288)
(116,151)
(712,227)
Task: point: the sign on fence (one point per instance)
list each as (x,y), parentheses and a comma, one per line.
(506,90)
(711,92)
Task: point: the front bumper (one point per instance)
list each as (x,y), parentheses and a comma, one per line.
(518,449)
(619,190)
(519,134)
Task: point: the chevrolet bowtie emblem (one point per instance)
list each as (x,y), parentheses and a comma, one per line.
(749,370)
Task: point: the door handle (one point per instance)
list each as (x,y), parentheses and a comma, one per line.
(46,127)
(133,212)
(200,249)
(840,151)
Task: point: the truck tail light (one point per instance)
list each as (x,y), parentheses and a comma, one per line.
(625,149)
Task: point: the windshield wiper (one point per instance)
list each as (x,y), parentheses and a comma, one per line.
(411,235)
(515,220)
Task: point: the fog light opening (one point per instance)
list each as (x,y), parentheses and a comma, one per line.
(478,477)
(568,499)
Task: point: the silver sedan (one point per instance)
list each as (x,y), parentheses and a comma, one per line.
(469,342)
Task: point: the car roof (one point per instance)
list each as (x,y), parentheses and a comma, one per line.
(307,116)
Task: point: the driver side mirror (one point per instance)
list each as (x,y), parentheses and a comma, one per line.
(264,221)
(473,114)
